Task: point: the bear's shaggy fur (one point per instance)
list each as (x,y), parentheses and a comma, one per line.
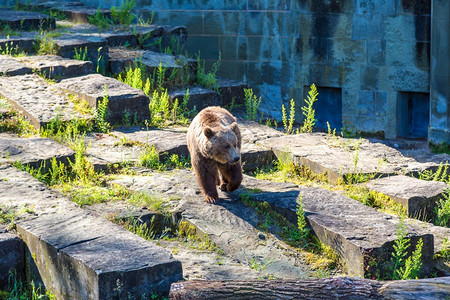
(214,142)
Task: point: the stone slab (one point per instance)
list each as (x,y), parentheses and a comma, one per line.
(97,47)
(76,254)
(231,89)
(230,225)
(126,144)
(53,66)
(26,20)
(341,157)
(37,100)
(121,96)
(11,67)
(22,43)
(11,256)
(111,149)
(199,97)
(121,59)
(419,197)
(34,151)
(355,231)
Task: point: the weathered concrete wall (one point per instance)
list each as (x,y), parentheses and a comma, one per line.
(369,50)
(440,73)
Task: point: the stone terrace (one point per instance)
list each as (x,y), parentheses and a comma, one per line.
(75,251)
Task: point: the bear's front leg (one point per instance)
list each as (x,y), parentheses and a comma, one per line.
(207,176)
(231,176)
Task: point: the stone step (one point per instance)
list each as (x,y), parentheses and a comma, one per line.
(55,67)
(12,256)
(38,100)
(11,67)
(230,225)
(78,255)
(33,151)
(121,59)
(200,263)
(199,97)
(96,47)
(356,232)
(24,42)
(419,197)
(126,144)
(122,98)
(342,158)
(26,20)
(231,89)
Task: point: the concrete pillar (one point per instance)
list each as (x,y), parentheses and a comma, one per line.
(439,131)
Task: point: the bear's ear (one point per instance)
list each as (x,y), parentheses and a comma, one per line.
(208,132)
(234,127)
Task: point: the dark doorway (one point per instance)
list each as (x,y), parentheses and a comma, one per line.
(328,106)
(413,114)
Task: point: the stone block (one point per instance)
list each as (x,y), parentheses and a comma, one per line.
(20,43)
(322,154)
(26,20)
(376,52)
(409,79)
(269,5)
(38,100)
(174,38)
(122,98)
(81,14)
(356,232)
(97,47)
(408,54)
(53,66)
(192,20)
(370,78)
(231,89)
(199,97)
(224,22)
(77,255)
(419,7)
(11,257)
(367,27)
(384,7)
(419,197)
(255,157)
(34,151)
(210,49)
(11,67)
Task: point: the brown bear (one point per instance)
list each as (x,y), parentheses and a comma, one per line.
(214,142)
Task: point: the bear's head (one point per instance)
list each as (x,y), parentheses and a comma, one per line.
(222,144)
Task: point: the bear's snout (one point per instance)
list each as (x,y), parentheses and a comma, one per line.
(235,159)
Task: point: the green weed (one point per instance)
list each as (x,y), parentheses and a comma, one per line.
(308,110)
(208,79)
(81,54)
(442,210)
(405,268)
(288,126)
(11,50)
(17,289)
(13,121)
(101,113)
(251,104)
(100,20)
(45,45)
(123,15)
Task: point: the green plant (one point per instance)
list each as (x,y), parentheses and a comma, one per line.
(123,15)
(81,54)
(303,237)
(101,113)
(403,267)
(441,174)
(17,289)
(288,126)
(308,110)
(11,50)
(45,45)
(159,107)
(149,158)
(100,20)
(442,210)
(208,79)
(251,104)
(13,121)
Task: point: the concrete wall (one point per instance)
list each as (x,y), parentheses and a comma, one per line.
(368,49)
(440,73)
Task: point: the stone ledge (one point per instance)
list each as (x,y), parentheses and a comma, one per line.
(419,197)
(11,256)
(76,254)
